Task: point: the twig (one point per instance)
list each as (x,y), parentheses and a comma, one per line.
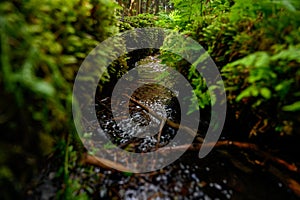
(162,123)
(168,122)
(102,162)
(288,181)
(240,145)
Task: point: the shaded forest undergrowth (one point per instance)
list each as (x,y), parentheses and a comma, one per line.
(254,44)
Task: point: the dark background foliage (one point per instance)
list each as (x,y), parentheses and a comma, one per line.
(255,44)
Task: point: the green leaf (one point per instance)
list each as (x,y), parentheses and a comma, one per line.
(262,59)
(287,4)
(266,93)
(243,94)
(248,92)
(246,61)
(44,88)
(293,107)
(67,59)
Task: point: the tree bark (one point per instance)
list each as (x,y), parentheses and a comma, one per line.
(140,7)
(148,5)
(156,6)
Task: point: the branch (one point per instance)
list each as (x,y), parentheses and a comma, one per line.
(240,145)
(102,162)
(168,122)
(159,133)
(288,181)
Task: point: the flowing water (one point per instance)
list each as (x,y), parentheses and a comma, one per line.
(225,173)
(218,176)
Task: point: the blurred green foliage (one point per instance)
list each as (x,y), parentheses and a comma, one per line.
(255,44)
(137,21)
(42,47)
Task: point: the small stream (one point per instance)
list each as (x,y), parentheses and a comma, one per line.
(218,176)
(225,173)
(131,130)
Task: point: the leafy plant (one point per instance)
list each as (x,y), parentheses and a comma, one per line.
(267,79)
(254,43)
(137,21)
(42,47)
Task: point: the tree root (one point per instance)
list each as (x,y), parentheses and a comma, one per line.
(102,162)
(292,184)
(240,145)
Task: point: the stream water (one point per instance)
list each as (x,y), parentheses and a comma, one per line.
(223,174)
